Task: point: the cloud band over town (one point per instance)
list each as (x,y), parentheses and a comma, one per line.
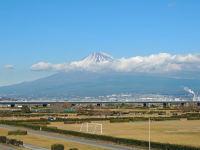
(102,62)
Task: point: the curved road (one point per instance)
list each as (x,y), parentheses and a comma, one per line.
(31,147)
(34,147)
(73,139)
(3,147)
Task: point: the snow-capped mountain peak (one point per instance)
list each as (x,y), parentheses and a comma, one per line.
(93,62)
(95,58)
(98,57)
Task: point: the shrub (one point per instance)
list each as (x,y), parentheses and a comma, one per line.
(52,127)
(164,118)
(11,141)
(25,109)
(14,142)
(118,120)
(73,122)
(22,124)
(17,132)
(57,147)
(2,139)
(43,119)
(73,149)
(70,122)
(81,120)
(39,123)
(193,118)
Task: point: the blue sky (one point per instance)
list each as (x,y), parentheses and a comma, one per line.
(58,31)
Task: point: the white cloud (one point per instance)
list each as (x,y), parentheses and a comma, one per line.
(155,63)
(43,66)
(9,67)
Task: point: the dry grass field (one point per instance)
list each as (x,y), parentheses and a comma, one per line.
(4,132)
(175,132)
(46,142)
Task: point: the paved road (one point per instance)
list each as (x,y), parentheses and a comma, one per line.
(73,139)
(31,147)
(2,147)
(34,147)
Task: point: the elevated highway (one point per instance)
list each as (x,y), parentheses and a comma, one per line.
(145,103)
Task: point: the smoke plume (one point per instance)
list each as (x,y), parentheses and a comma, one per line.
(189,90)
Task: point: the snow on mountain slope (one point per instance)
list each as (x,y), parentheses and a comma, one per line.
(96,58)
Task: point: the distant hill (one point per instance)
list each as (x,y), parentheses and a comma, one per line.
(94,84)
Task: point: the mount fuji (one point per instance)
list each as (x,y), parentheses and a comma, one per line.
(97,57)
(88,83)
(93,62)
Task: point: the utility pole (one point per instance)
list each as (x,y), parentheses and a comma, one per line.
(149,134)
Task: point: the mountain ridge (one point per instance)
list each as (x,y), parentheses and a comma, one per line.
(95,84)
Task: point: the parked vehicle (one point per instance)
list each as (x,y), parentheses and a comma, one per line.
(50,118)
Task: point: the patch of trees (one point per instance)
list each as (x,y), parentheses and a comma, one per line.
(73,122)
(5,140)
(25,109)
